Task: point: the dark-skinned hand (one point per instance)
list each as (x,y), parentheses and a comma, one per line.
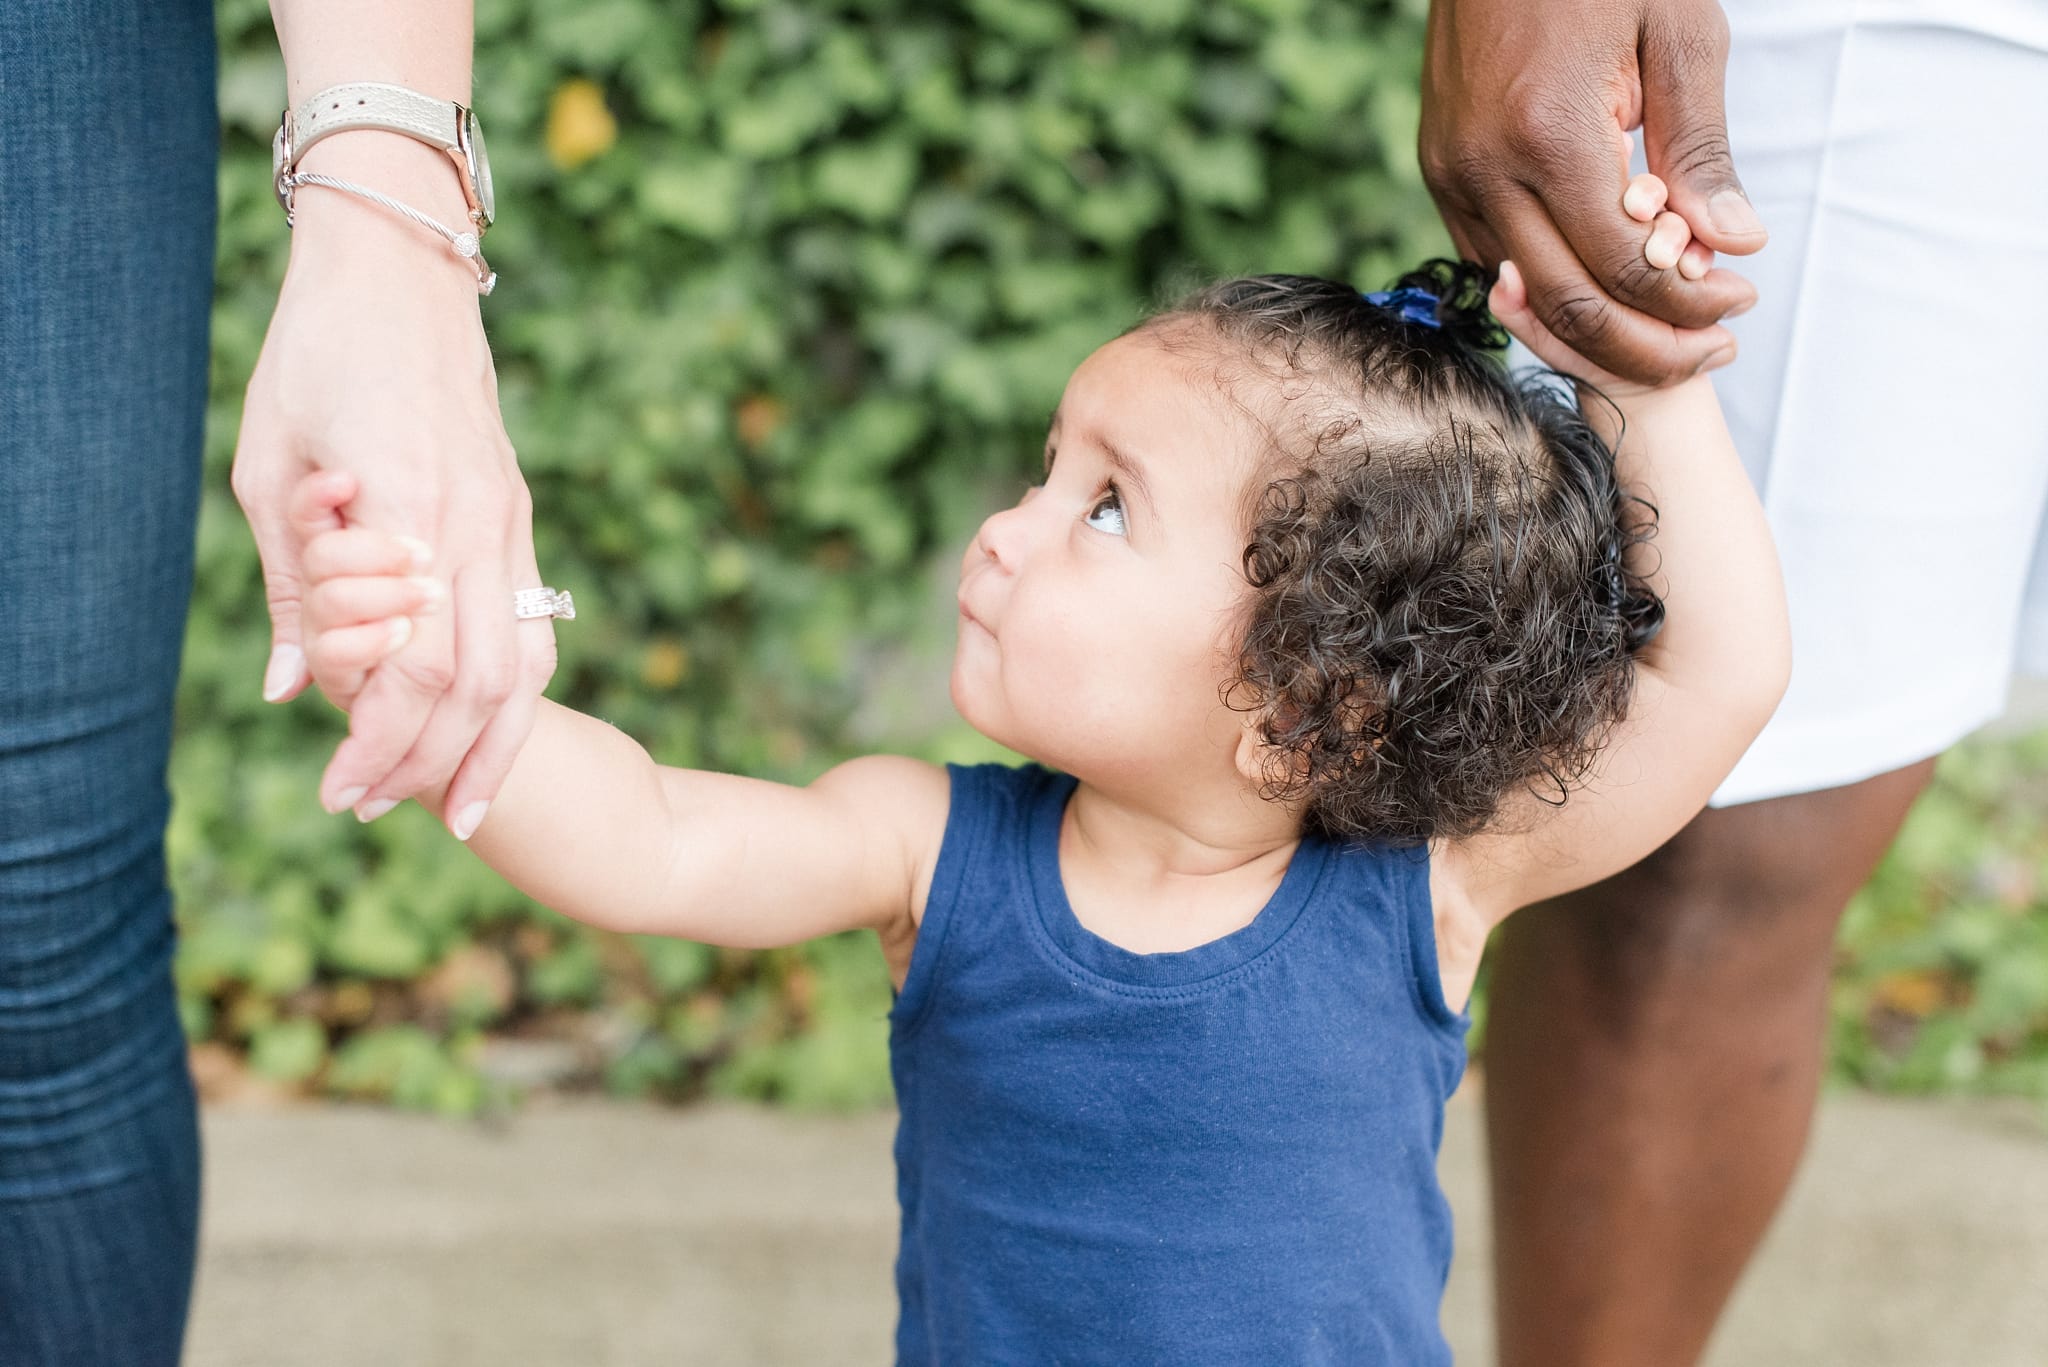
(1527,108)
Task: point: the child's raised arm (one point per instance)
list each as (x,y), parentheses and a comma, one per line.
(1705,684)
(589,824)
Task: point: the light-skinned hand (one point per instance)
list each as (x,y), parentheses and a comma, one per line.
(376,366)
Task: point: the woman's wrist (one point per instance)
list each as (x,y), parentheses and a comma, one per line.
(330,223)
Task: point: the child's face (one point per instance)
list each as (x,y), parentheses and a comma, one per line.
(1097,620)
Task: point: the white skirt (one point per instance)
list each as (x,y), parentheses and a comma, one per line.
(1891,397)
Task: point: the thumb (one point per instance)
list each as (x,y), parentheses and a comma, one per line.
(312,507)
(1684,64)
(286,675)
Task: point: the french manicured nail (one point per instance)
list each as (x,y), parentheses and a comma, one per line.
(432,591)
(401,632)
(469,818)
(283,671)
(1732,213)
(370,811)
(347,798)
(422,553)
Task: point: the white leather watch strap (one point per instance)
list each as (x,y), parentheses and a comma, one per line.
(368,104)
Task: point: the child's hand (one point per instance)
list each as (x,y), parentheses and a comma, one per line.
(363,588)
(1669,244)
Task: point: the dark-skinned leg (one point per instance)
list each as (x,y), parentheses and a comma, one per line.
(1653,1050)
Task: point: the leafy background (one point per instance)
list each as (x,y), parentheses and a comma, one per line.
(789,289)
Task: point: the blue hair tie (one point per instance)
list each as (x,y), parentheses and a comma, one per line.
(1410,305)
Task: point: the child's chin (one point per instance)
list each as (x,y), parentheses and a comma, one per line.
(965,700)
(968,702)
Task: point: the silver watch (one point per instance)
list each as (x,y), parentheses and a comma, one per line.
(451,127)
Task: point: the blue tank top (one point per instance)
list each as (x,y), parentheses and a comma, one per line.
(1221,1155)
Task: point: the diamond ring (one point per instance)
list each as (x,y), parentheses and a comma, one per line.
(543,602)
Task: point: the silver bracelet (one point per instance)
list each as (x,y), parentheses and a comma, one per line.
(465,245)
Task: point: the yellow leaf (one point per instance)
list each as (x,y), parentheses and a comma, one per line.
(1919,993)
(758,418)
(579,125)
(666,664)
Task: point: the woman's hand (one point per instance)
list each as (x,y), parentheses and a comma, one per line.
(376,365)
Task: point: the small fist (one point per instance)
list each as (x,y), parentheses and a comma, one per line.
(362,588)
(1671,241)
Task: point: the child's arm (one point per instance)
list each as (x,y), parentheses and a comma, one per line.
(589,824)
(1705,684)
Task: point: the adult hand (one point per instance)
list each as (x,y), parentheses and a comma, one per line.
(376,364)
(1526,110)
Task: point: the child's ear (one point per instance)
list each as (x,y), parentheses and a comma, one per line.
(1250,746)
(1260,762)
(1255,759)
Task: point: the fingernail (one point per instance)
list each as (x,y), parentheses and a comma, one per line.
(1717,360)
(401,632)
(282,672)
(370,811)
(1744,307)
(347,798)
(432,591)
(1732,213)
(468,819)
(422,553)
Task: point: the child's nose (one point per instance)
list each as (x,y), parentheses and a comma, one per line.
(1004,536)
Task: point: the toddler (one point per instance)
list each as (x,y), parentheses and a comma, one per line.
(1333,645)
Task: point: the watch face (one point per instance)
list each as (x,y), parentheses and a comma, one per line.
(479,167)
(280,153)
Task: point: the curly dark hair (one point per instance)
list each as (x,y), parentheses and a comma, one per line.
(1444,604)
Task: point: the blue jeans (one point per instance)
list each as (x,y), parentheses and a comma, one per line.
(108,145)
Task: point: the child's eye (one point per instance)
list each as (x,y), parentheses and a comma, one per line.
(1109,507)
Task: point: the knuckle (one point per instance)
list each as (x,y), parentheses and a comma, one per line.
(537,667)
(429,673)
(491,682)
(1550,128)
(1471,181)
(1445,166)
(281,590)
(1628,275)
(1582,322)
(519,504)
(1701,148)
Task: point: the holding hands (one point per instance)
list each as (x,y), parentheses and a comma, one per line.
(367,596)
(1670,246)
(1526,104)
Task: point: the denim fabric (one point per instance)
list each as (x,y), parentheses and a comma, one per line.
(108,144)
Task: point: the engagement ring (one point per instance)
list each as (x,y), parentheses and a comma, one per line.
(543,602)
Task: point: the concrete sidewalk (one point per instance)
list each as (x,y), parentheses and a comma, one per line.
(614,1236)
